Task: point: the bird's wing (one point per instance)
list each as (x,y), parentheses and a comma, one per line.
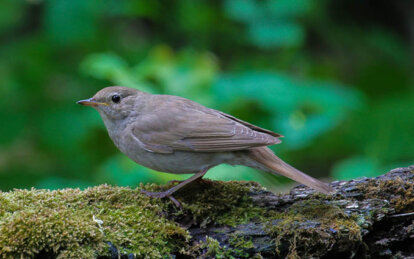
(182,125)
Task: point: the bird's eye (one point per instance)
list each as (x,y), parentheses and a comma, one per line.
(116,98)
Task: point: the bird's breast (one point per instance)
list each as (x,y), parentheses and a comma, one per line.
(179,162)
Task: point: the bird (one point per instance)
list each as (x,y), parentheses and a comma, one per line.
(176,135)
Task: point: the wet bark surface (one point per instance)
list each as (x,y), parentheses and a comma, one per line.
(382,209)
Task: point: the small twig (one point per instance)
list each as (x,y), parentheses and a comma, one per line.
(402,215)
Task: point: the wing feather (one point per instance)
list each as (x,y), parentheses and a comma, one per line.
(179,124)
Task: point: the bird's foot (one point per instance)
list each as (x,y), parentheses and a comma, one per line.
(155,194)
(161,195)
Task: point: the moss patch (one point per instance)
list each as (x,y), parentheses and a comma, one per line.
(211,248)
(226,203)
(310,226)
(398,192)
(71,223)
(240,245)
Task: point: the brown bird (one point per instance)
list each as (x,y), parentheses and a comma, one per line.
(176,135)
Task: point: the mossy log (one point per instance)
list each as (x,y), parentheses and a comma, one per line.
(367,217)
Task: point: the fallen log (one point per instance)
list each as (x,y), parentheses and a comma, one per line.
(367,217)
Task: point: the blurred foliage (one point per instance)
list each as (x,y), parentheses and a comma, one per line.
(270,23)
(334,77)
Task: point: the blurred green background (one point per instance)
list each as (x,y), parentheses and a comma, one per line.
(335,77)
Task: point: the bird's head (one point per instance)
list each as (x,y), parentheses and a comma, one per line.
(114,102)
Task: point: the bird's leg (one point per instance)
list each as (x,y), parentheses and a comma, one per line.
(175,181)
(180,181)
(170,191)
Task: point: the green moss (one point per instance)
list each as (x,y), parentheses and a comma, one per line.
(311,223)
(240,245)
(240,242)
(77,224)
(226,203)
(400,193)
(211,248)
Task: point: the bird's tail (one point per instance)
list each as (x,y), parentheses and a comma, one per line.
(264,159)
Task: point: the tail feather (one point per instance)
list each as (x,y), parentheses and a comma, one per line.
(268,161)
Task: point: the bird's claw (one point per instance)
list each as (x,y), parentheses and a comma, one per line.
(155,194)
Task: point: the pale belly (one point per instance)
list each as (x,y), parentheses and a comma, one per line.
(179,162)
(176,163)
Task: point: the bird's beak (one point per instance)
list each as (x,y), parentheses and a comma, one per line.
(90,102)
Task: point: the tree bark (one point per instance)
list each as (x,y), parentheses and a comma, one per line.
(382,209)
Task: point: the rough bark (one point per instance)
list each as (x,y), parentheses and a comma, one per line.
(365,218)
(382,207)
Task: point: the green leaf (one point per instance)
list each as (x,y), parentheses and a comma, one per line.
(303,109)
(111,67)
(71,22)
(355,167)
(246,10)
(276,34)
(10,14)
